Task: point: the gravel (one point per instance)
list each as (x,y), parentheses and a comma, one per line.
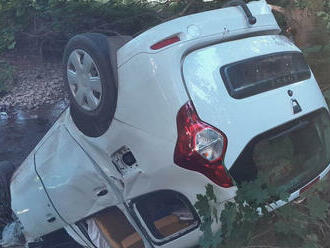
(36,83)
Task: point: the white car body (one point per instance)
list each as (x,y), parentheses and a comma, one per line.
(58,184)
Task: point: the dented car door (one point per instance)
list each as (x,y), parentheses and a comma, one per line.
(73,181)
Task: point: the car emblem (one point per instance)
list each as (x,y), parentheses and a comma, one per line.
(295,106)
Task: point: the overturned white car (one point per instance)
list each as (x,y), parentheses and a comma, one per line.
(210,98)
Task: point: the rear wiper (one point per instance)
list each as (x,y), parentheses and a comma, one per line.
(252,20)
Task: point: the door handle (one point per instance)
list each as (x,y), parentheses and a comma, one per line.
(102,192)
(51,220)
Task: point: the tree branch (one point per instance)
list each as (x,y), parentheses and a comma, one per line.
(278,8)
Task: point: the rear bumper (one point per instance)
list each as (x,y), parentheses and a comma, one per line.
(298,192)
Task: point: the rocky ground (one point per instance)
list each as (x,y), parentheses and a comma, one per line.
(36,83)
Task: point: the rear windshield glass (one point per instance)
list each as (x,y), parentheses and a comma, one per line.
(290,156)
(259,74)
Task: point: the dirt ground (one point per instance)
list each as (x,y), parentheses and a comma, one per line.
(35,82)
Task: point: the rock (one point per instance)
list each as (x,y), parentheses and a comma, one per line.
(37,84)
(3,116)
(3,108)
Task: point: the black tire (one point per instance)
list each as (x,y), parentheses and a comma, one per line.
(6,172)
(96,122)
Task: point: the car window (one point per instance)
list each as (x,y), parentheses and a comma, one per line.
(259,74)
(166,215)
(289,156)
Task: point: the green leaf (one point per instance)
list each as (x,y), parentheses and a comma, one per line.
(210,193)
(206,239)
(318,208)
(215,214)
(281,227)
(202,206)
(12,45)
(321,13)
(313,237)
(229,218)
(310,244)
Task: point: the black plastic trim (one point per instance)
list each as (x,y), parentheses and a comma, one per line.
(262,86)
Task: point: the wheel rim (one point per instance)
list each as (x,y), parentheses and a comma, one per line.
(84,80)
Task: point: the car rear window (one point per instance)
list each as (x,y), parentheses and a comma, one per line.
(289,156)
(259,74)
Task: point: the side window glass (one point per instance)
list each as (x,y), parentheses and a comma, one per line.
(166,215)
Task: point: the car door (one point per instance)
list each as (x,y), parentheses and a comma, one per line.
(249,86)
(71,178)
(31,204)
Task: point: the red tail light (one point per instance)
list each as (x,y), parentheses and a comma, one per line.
(165,43)
(201,147)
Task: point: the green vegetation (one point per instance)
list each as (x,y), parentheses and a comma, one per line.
(41,24)
(48,24)
(6,77)
(246,222)
(44,26)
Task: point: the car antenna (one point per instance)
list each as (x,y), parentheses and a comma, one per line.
(252,19)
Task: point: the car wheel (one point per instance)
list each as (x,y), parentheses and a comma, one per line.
(6,171)
(90,82)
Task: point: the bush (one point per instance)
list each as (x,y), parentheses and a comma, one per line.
(46,25)
(6,77)
(246,222)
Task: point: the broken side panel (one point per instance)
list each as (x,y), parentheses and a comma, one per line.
(71,178)
(124,160)
(30,203)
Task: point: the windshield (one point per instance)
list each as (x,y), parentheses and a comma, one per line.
(289,156)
